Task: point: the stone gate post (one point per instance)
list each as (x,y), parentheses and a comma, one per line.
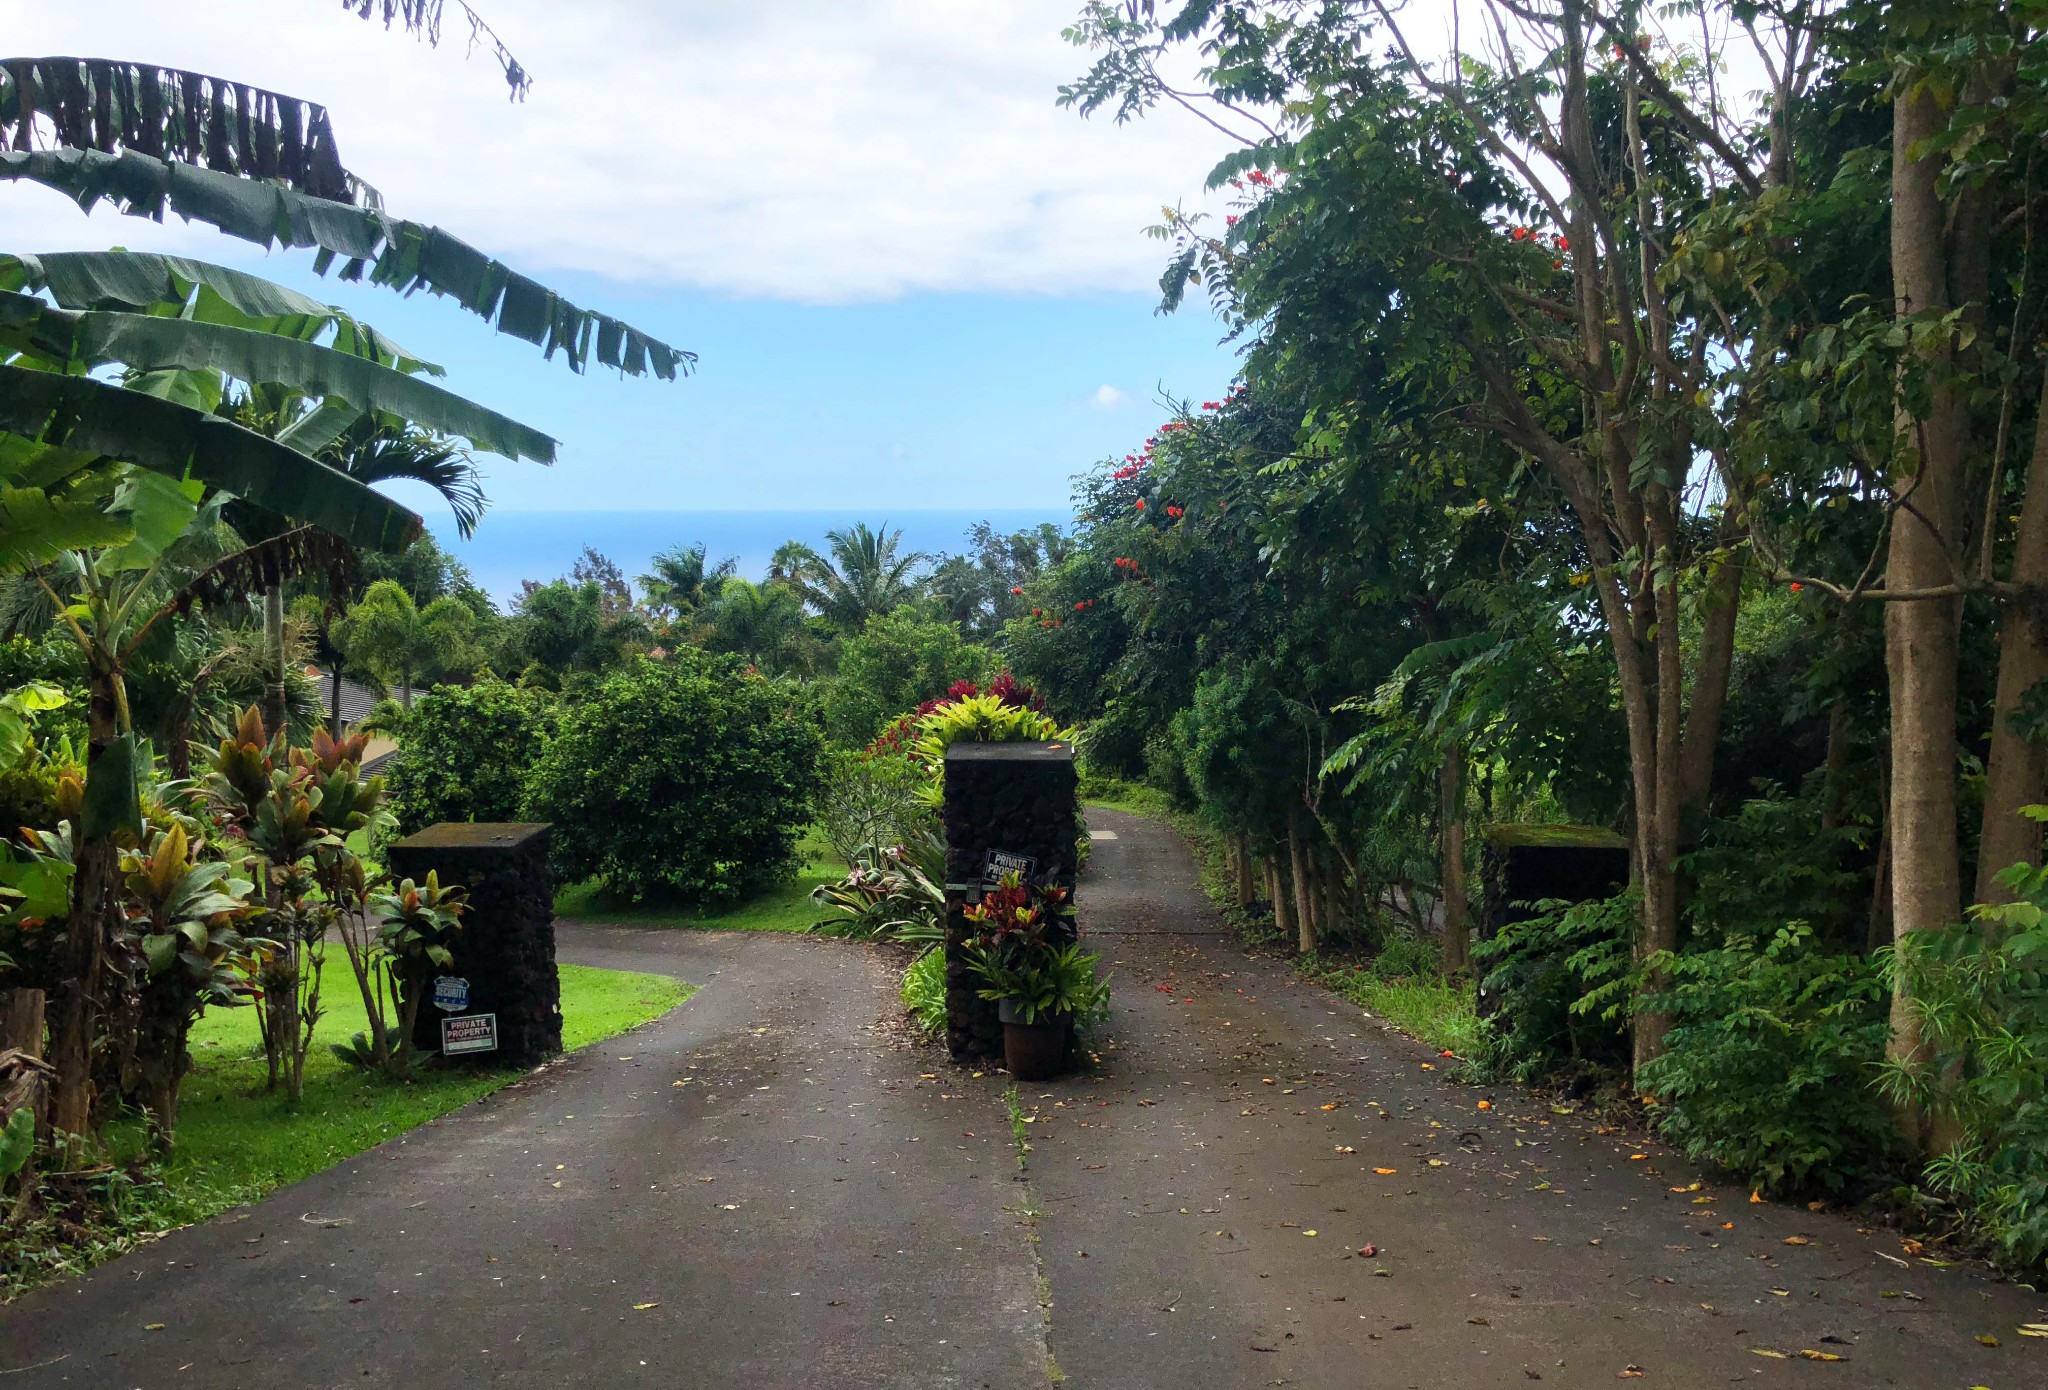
(1007,805)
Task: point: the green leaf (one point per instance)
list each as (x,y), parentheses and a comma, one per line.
(17,1141)
(36,526)
(143,282)
(96,418)
(160,509)
(113,802)
(96,337)
(402,255)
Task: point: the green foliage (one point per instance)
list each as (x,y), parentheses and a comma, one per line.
(683,779)
(1403,986)
(893,893)
(924,990)
(1770,1060)
(1558,983)
(406,644)
(897,662)
(1043,984)
(1979,992)
(465,752)
(871,801)
(18,1140)
(981,719)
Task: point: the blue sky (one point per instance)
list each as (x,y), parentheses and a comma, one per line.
(929,400)
(909,275)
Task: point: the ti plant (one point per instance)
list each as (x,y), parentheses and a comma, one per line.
(415,924)
(187,917)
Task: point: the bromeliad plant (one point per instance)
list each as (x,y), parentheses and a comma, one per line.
(892,893)
(1024,954)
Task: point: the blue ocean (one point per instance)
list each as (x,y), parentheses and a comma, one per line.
(511,546)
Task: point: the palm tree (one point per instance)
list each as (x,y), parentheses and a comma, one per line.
(682,581)
(867,575)
(762,622)
(403,643)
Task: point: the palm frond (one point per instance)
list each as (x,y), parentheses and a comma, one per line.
(423,18)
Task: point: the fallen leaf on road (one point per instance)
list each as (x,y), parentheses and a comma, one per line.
(1308,1233)
(1631,1373)
(2034,1329)
(1911,1247)
(1269,1081)
(1637,1158)
(1756,1199)
(1429,1066)
(643,1307)
(1326,1107)
(1782,1293)
(1346,1149)
(1798,1240)
(1985,1339)
(1766,1351)
(1812,1355)
(1486,1105)
(152,1327)
(1386,1172)
(1479,1322)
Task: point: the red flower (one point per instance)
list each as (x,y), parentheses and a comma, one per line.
(1230,219)
(1038,612)
(1079,606)
(1521,233)
(1018,589)
(1564,244)
(1796,587)
(1141,504)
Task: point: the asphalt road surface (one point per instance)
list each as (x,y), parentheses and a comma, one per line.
(776,1185)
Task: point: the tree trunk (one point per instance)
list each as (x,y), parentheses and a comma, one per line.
(1723,605)
(273,658)
(1298,864)
(1244,889)
(95,915)
(2016,773)
(1283,917)
(1451,841)
(1835,766)
(1921,636)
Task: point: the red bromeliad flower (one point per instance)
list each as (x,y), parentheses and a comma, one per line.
(1141,504)
(1017,589)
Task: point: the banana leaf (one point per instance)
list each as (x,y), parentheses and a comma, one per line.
(141,282)
(231,127)
(391,251)
(99,419)
(147,342)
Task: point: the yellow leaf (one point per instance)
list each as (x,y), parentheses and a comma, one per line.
(1985,1339)
(1766,1351)
(1326,1107)
(152,1327)
(1812,1355)
(1798,1240)
(1308,1233)
(643,1307)
(1386,1172)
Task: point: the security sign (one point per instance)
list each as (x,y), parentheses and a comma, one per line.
(451,994)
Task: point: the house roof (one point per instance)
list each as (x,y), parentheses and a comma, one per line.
(356,698)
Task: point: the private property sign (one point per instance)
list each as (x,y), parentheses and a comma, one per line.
(469,1033)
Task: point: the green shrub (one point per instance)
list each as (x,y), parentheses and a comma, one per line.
(1980,993)
(1768,1067)
(897,662)
(870,802)
(1558,984)
(682,780)
(893,893)
(924,990)
(464,754)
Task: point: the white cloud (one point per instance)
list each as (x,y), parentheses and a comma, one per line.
(1107,397)
(777,148)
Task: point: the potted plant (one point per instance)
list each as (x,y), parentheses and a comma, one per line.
(1042,984)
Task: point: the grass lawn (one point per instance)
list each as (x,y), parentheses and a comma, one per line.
(786,907)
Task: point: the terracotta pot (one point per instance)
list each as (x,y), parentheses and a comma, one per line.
(1032,1051)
